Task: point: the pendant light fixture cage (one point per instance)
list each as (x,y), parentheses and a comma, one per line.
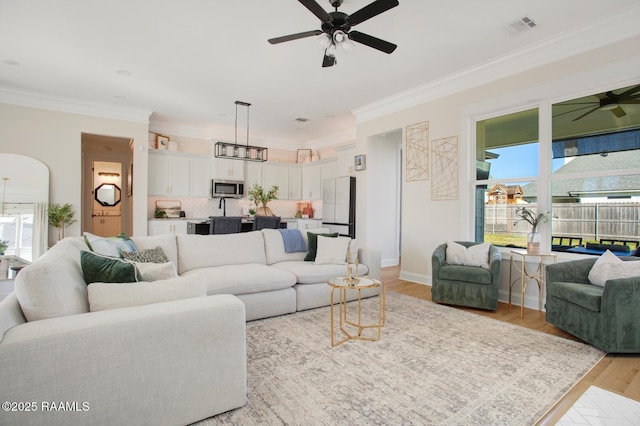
(233,151)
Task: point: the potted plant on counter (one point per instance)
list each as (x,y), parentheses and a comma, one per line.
(258,196)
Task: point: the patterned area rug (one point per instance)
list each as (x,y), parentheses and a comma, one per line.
(433,365)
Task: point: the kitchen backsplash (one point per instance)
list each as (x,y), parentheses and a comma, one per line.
(201,208)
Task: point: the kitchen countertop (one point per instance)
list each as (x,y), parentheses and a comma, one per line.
(200,219)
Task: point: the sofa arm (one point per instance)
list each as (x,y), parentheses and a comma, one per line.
(167,363)
(620,313)
(372,258)
(438,259)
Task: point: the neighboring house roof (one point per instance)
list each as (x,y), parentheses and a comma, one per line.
(579,187)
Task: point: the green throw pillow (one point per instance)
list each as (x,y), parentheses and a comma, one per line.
(105,269)
(312,244)
(154,255)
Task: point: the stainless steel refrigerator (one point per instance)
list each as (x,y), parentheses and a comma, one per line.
(339,205)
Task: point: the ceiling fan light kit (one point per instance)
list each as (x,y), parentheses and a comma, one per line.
(233,151)
(336,28)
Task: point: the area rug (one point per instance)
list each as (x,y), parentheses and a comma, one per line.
(434,364)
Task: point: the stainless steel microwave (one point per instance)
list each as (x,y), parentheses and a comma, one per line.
(227,188)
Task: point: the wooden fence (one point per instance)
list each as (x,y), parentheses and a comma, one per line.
(591,222)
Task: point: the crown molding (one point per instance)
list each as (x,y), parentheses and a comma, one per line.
(609,30)
(46,101)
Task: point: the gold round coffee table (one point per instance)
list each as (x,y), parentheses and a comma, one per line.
(343,285)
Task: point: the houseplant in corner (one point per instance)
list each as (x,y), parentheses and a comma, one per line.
(533,238)
(60,216)
(258,195)
(4,244)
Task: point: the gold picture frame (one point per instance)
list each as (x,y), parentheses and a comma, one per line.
(304,156)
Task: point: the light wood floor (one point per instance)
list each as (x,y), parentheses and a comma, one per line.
(616,373)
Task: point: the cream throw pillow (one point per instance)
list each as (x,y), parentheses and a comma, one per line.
(156,271)
(477,255)
(332,250)
(610,267)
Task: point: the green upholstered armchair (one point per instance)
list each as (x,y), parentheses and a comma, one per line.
(465,285)
(607,318)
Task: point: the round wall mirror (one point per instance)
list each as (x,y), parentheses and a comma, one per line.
(108,194)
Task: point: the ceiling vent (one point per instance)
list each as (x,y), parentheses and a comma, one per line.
(521,25)
(301,120)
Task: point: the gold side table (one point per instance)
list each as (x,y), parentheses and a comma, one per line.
(343,285)
(538,275)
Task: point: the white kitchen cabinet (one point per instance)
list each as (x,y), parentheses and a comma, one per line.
(107,226)
(200,177)
(311,183)
(295,183)
(292,224)
(168,175)
(304,224)
(254,175)
(345,160)
(228,169)
(167,226)
(276,175)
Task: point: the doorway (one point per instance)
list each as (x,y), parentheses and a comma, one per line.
(386,159)
(106,182)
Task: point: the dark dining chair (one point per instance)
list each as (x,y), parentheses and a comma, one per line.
(261,222)
(225,225)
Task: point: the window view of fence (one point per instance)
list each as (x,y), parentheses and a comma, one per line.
(573,225)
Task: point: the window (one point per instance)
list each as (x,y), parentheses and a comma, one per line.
(592,181)
(18,231)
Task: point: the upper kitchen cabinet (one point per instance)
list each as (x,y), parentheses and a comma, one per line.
(254,175)
(295,183)
(312,176)
(179,175)
(276,174)
(228,169)
(345,164)
(168,174)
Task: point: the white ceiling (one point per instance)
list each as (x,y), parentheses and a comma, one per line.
(189,60)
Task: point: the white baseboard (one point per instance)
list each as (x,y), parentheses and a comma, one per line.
(530,301)
(415,278)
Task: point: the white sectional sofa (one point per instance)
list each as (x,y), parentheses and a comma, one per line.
(148,353)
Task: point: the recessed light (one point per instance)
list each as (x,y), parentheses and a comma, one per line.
(124,73)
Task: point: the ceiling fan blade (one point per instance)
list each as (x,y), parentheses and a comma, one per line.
(317,10)
(618,112)
(630,101)
(629,92)
(328,61)
(294,36)
(371,41)
(573,110)
(371,10)
(586,113)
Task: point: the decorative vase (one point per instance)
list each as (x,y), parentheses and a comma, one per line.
(533,242)
(264,211)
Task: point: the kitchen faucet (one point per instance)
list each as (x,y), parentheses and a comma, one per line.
(223,204)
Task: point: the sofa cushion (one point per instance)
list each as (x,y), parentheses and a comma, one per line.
(586,295)
(471,274)
(310,273)
(166,241)
(54,286)
(99,268)
(248,278)
(274,245)
(204,251)
(104,296)
(111,246)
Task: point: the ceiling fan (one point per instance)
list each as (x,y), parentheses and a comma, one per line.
(336,28)
(608,101)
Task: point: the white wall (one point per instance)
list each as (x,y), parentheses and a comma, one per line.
(54,138)
(427,223)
